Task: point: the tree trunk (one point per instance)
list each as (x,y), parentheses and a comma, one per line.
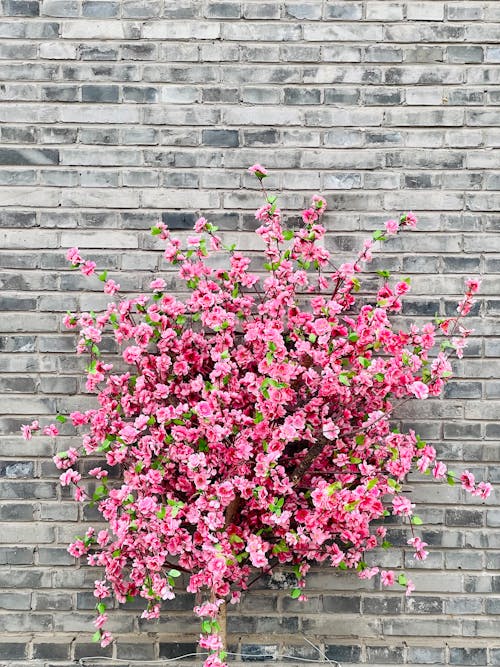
(222,620)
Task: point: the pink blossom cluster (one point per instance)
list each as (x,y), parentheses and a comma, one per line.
(253,422)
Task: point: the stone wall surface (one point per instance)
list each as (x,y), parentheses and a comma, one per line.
(117,114)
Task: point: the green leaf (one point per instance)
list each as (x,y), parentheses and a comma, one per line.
(161,513)
(101,607)
(402,580)
(295,593)
(344,379)
(206,627)
(91,368)
(393,484)
(366,363)
(384,274)
(174,573)
(96,637)
(103,276)
(353,337)
(378,235)
(259,417)
(379,377)
(288,234)
(61,419)
(416,520)
(386,544)
(371,484)
(155,231)
(450,479)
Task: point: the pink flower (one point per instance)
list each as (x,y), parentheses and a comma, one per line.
(69,477)
(26,432)
(391,226)
(419,389)
(101,590)
(157,285)
(88,268)
(106,639)
(51,430)
(110,287)
(77,549)
(204,409)
(409,220)
(473,284)
(368,573)
(468,480)
(258,170)
(211,642)
(319,202)
(200,224)
(402,505)
(132,354)
(102,537)
(387,577)
(410,587)
(419,546)
(98,473)
(483,490)
(69,321)
(330,430)
(309,216)
(73,256)
(101,620)
(439,470)
(401,288)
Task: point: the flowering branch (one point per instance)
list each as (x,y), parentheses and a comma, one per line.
(253,423)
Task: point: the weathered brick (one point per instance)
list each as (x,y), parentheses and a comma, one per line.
(467,656)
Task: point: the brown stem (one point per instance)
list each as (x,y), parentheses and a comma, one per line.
(306,462)
(222,621)
(232,510)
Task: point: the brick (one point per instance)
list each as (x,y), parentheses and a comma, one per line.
(60,8)
(344,653)
(100,9)
(467,656)
(465,54)
(21,7)
(13,650)
(344,11)
(385,654)
(425,655)
(388,11)
(93,93)
(302,10)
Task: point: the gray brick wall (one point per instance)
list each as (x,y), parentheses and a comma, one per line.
(115,114)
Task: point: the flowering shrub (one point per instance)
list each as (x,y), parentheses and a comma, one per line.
(252,425)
